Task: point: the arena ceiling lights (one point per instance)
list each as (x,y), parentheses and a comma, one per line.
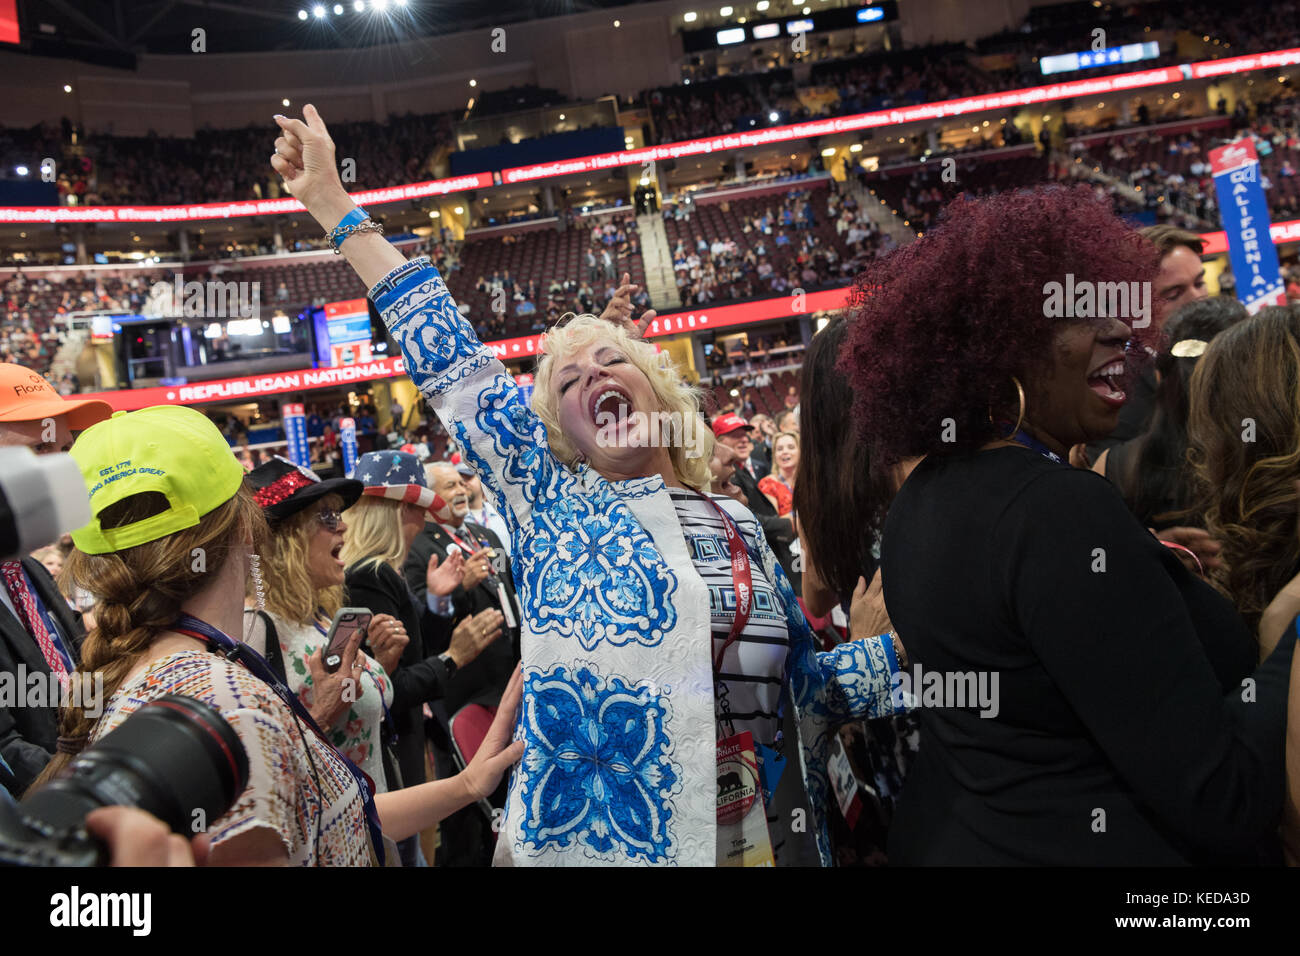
(322,10)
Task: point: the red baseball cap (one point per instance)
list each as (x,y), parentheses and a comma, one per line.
(25,396)
(725,424)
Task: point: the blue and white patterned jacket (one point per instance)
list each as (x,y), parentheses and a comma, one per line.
(618,711)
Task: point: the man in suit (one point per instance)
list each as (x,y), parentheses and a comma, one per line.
(39,630)
(488,583)
(734,432)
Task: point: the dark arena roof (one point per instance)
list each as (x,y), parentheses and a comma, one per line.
(110,31)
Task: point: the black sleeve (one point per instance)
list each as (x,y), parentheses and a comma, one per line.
(25,759)
(424,679)
(777,529)
(1085,583)
(416,568)
(416,571)
(418,678)
(435,630)
(368,587)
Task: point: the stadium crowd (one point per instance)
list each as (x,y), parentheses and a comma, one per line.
(946,420)
(929,586)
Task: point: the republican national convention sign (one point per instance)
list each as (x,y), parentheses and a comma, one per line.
(1244,209)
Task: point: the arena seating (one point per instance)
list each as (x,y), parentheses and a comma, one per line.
(735,221)
(543,255)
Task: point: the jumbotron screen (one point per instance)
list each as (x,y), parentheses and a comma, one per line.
(347,325)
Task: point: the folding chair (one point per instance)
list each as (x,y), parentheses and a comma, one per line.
(467,728)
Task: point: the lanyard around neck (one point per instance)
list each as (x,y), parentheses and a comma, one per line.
(1022,437)
(742,579)
(221,643)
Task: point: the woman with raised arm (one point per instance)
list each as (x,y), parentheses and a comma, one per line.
(666,661)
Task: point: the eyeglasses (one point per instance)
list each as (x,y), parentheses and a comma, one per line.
(329,520)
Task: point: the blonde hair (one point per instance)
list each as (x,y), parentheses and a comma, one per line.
(140,591)
(374,535)
(286,568)
(674,395)
(40,554)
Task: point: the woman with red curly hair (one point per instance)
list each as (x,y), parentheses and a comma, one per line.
(1102,733)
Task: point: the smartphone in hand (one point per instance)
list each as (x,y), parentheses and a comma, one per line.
(346,623)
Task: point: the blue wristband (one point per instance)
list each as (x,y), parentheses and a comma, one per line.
(354,218)
(346,225)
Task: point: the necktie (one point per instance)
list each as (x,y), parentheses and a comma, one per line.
(25,604)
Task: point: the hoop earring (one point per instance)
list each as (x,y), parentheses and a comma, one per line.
(259,585)
(1020,396)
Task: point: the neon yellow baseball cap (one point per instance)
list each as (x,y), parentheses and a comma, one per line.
(171,449)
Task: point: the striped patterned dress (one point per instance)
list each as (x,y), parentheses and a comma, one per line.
(747,690)
(317,810)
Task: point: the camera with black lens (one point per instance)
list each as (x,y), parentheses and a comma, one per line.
(176,758)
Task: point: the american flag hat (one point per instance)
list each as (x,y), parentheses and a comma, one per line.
(396,475)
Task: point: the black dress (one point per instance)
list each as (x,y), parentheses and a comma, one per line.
(1121,735)
(419,676)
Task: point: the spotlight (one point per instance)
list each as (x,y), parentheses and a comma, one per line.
(773,116)
(380,5)
(338,9)
(302,14)
(689,16)
(473,82)
(318,12)
(359,6)
(67,88)
(21,170)
(284,102)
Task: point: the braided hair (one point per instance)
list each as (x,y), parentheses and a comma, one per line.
(140,592)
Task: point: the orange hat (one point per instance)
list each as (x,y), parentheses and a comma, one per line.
(26,396)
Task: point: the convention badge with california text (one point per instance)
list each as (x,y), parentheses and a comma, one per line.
(742,818)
